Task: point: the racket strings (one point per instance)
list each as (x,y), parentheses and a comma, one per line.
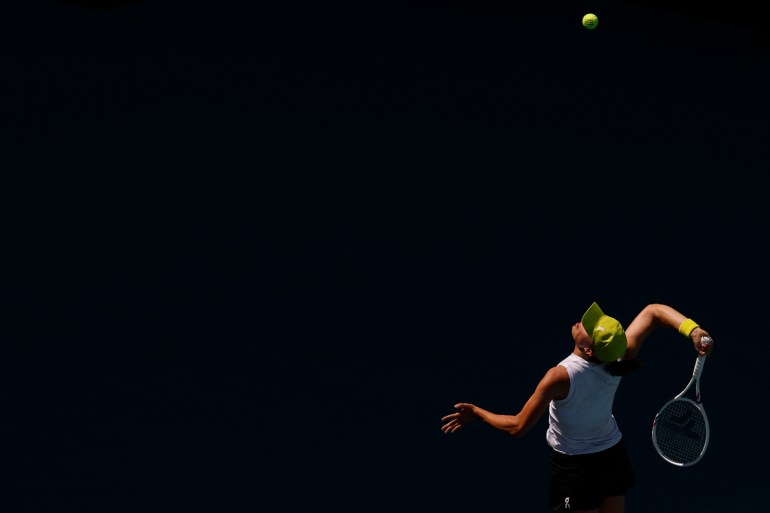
(681,432)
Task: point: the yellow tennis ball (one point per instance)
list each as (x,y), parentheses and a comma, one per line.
(590,21)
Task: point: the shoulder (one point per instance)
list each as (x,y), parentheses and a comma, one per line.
(555,383)
(557,373)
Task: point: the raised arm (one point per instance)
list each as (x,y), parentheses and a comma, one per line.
(554,385)
(657,315)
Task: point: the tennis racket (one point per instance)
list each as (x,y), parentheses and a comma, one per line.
(680,431)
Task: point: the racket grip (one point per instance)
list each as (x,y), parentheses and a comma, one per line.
(706,341)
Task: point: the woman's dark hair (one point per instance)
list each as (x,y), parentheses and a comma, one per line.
(622,367)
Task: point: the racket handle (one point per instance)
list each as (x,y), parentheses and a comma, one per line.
(705,341)
(698,367)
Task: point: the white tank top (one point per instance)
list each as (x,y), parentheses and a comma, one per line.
(582,422)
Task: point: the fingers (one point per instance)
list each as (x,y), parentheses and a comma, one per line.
(451,427)
(453,423)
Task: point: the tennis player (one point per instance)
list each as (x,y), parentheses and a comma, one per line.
(590,471)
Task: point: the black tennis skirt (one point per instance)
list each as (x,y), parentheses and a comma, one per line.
(584,480)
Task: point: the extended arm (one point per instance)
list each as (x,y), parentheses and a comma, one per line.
(554,385)
(654,316)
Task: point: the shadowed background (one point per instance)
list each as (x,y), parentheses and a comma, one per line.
(255,254)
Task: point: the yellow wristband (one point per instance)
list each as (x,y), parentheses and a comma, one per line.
(687,326)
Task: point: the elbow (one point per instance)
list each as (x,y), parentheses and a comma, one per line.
(656,311)
(517,431)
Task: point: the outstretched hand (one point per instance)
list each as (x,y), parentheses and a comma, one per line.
(462,417)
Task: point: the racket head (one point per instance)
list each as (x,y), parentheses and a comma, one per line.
(680,432)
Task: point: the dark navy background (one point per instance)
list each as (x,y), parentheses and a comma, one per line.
(254,254)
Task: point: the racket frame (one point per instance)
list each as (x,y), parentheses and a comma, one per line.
(696,373)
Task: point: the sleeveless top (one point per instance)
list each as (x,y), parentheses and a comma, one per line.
(583,423)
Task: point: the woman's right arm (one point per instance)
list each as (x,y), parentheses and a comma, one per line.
(657,315)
